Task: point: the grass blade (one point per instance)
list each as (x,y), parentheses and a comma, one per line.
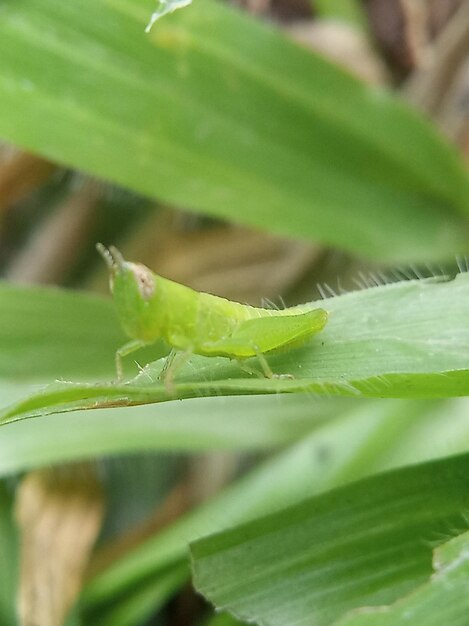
(246,423)
(389,341)
(51,333)
(364,544)
(225,116)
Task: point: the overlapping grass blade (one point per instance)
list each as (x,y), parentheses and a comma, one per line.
(340,450)
(364,544)
(220,114)
(50,333)
(246,423)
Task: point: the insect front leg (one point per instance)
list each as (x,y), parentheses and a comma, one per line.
(126,349)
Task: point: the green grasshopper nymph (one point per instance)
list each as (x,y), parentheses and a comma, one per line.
(151,307)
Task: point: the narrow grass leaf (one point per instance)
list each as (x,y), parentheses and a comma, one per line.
(365,544)
(402,340)
(245,423)
(290,476)
(9,548)
(338,451)
(139,603)
(218,113)
(48,333)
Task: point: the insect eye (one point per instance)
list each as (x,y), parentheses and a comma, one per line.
(145,281)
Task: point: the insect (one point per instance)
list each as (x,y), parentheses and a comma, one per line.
(151,307)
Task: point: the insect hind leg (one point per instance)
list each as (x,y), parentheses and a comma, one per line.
(174,361)
(266,371)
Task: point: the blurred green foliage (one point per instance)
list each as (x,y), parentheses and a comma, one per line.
(224,116)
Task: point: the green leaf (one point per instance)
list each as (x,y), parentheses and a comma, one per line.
(439,429)
(223,619)
(339,450)
(246,423)
(288,477)
(139,603)
(348,11)
(442,600)
(50,333)
(221,114)
(9,550)
(402,340)
(361,545)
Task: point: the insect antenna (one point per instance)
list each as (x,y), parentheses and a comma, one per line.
(113,258)
(107,256)
(117,257)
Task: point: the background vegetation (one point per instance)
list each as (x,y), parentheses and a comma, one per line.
(226,150)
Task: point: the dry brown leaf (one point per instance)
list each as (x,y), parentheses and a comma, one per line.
(256,7)
(453,116)
(235,263)
(291,9)
(441,87)
(58,240)
(416,30)
(342,43)
(20,173)
(405,29)
(59,513)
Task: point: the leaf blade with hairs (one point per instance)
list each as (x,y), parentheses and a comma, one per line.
(388,341)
